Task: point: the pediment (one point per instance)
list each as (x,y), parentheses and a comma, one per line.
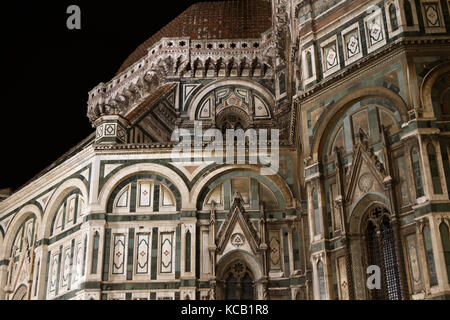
(237,232)
(366,175)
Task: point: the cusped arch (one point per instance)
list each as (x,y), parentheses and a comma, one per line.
(362,206)
(239,255)
(19,218)
(58,196)
(338,109)
(427,85)
(193,106)
(274,181)
(142,168)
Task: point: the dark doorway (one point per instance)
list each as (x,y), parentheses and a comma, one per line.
(238,283)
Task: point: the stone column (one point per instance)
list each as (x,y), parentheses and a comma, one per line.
(422,256)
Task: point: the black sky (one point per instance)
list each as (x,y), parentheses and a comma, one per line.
(49,71)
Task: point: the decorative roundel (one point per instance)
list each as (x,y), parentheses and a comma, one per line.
(237,240)
(365,182)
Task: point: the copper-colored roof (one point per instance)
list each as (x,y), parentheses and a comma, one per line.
(231,19)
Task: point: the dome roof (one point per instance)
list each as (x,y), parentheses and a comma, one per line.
(231,19)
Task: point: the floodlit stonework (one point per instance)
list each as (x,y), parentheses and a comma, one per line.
(360,91)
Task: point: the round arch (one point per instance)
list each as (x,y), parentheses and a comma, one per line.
(252,265)
(132,170)
(362,206)
(58,196)
(19,218)
(274,180)
(338,108)
(427,85)
(220,83)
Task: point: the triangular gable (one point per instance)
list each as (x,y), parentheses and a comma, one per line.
(366,174)
(236,229)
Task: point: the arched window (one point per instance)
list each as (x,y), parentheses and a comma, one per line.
(445,237)
(408,13)
(417,173)
(429,256)
(309,64)
(317,222)
(393,17)
(432,157)
(321,276)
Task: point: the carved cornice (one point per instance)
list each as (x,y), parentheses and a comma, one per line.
(176,58)
(369,61)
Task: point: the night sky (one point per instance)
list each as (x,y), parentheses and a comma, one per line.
(50,70)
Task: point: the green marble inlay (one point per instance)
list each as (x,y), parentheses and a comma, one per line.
(130,254)
(154,257)
(107,254)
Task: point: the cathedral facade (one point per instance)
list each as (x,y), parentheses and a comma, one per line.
(355,98)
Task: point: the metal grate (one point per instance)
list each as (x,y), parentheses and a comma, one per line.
(392,274)
(381,251)
(374,257)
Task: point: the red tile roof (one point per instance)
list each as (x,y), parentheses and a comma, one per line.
(231,19)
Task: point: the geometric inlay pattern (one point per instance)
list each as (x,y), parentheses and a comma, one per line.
(237,240)
(142,253)
(375,30)
(166,252)
(365,182)
(274,245)
(119,254)
(331,56)
(352,43)
(432,15)
(54,273)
